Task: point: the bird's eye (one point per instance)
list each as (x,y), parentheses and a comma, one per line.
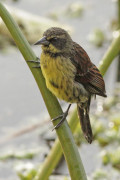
(54,38)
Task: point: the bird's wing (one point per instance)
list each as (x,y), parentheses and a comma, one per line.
(87,73)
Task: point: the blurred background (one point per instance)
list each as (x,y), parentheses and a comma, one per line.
(25,127)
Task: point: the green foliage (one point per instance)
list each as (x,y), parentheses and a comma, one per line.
(74,10)
(101,174)
(18,155)
(97,37)
(111,157)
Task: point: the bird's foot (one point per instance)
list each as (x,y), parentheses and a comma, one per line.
(37,61)
(63,116)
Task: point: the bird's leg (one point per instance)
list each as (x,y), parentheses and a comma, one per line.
(37,61)
(63,116)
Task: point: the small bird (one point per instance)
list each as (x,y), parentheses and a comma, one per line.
(70,75)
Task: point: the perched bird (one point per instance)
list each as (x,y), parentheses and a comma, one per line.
(70,75)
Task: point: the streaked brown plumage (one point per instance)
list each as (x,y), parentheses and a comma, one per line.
(88,75)
(70,74)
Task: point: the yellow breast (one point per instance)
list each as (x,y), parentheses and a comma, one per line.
(59,74)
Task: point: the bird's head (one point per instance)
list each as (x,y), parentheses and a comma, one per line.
(55,40)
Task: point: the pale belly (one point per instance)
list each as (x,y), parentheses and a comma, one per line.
(60,79)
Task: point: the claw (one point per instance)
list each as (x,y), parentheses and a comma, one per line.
(36,66)
(60,116)
(63,116)
(37,61)
(34,61)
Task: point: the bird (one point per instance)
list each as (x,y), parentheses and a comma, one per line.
(70,75)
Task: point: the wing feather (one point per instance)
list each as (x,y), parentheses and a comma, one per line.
(87,73)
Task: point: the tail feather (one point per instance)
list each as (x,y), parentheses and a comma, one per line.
(83,114)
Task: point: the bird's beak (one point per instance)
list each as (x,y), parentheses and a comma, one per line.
(42,41)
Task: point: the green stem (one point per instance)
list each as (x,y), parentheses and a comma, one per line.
(111,53)
(118,69)
(56,152)
(68,145)
(118,14)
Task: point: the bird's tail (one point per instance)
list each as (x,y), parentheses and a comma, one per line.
(83,113)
